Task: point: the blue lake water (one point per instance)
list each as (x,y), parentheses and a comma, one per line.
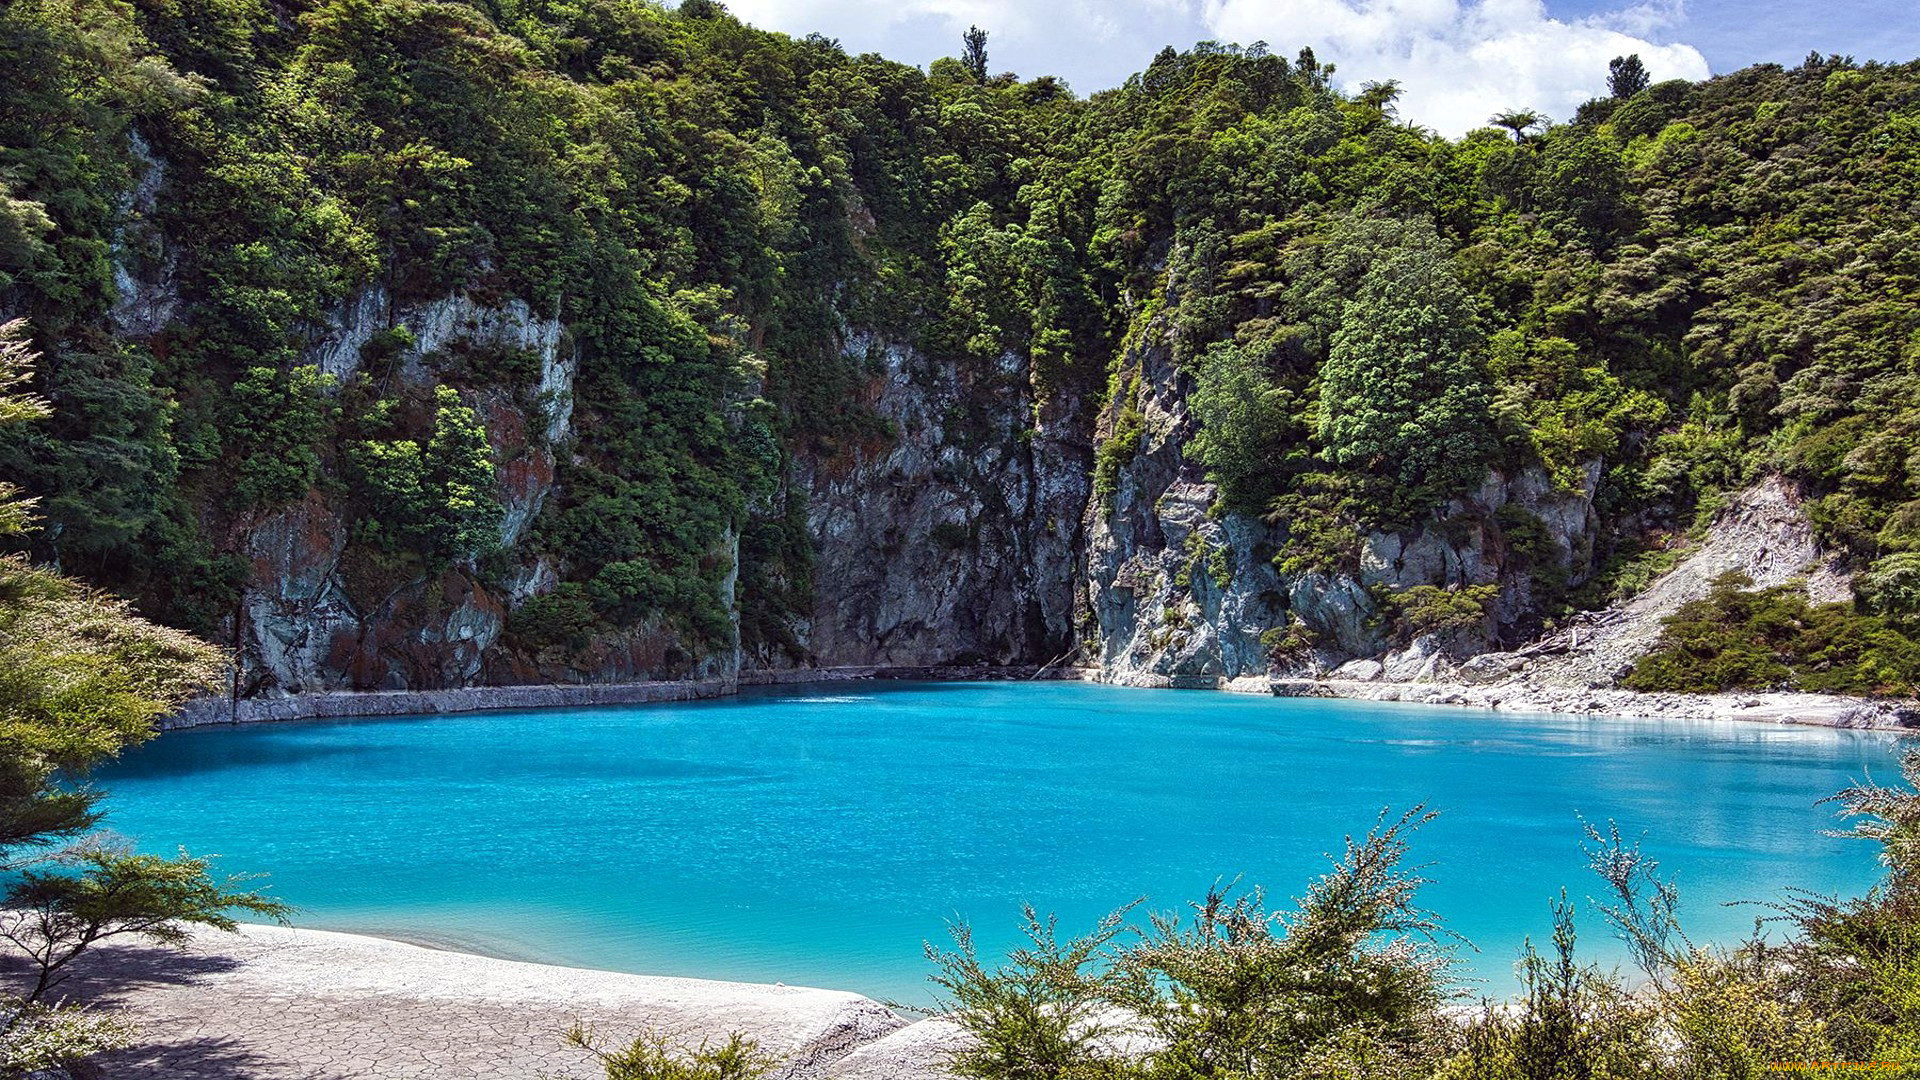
(817,835)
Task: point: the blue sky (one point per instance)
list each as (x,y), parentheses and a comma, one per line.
(1458,61)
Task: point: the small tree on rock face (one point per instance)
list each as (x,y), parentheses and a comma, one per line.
(1245,425)
(1626,76)
(973,54)
(459,462)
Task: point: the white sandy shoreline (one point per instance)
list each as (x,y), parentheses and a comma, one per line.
(275,1003)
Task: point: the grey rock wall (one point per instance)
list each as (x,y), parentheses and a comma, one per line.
(953,542)
(310,622)
(1173,595)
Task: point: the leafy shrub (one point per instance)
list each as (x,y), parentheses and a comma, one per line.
(1042,1013)
(1738,638)
(653,1057)
(1246,427)
(1891,588)
(37,1039)
(1431,609)
(279,419)
(565,616)
(1322,533)
(1353,974)
(436,499)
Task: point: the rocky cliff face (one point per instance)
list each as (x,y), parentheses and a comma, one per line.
(313,618)
(956,541)
(970,534)
(1176,596)
(1172,596)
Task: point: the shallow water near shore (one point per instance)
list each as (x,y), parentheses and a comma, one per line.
(816,835)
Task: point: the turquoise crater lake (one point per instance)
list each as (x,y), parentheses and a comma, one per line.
(817,835)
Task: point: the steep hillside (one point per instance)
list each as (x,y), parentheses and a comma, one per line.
(407,344)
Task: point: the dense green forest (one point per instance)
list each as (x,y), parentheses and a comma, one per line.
(1680,290)
(1685,286)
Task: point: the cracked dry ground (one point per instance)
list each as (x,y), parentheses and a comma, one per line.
(277,1004)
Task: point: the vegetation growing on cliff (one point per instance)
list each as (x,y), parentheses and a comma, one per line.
(1682,287)
(1738,638)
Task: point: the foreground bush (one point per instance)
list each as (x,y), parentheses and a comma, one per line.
(37,1039)
(1354,983)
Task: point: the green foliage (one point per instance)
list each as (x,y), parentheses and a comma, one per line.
(565,617)
(653,1057)
(1236,990)
(42,1038)
(459,465)
(1891,588)
(16,366)
(1246,426)
(1738,638)
(1626,76)
(435,499)
(1430,609)
(278,420)
(1404,388)
(1323,530)
(973,55)
(1116,451)
(96,892)
(1042,1012)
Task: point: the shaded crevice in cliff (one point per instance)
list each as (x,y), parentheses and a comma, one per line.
(949,543)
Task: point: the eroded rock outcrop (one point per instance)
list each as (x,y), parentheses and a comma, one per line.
(1177,595)
(146,292)
(955,541)
(317,614)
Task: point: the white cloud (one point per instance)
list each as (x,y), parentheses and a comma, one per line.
(857,23)
(1457,63)
(1093,44)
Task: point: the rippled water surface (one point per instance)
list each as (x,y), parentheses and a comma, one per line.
(817,835)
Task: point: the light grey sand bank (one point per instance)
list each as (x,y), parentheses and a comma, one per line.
(271,1003)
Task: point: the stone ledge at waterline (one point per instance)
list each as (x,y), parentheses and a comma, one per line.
(207,712)
(347,704)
